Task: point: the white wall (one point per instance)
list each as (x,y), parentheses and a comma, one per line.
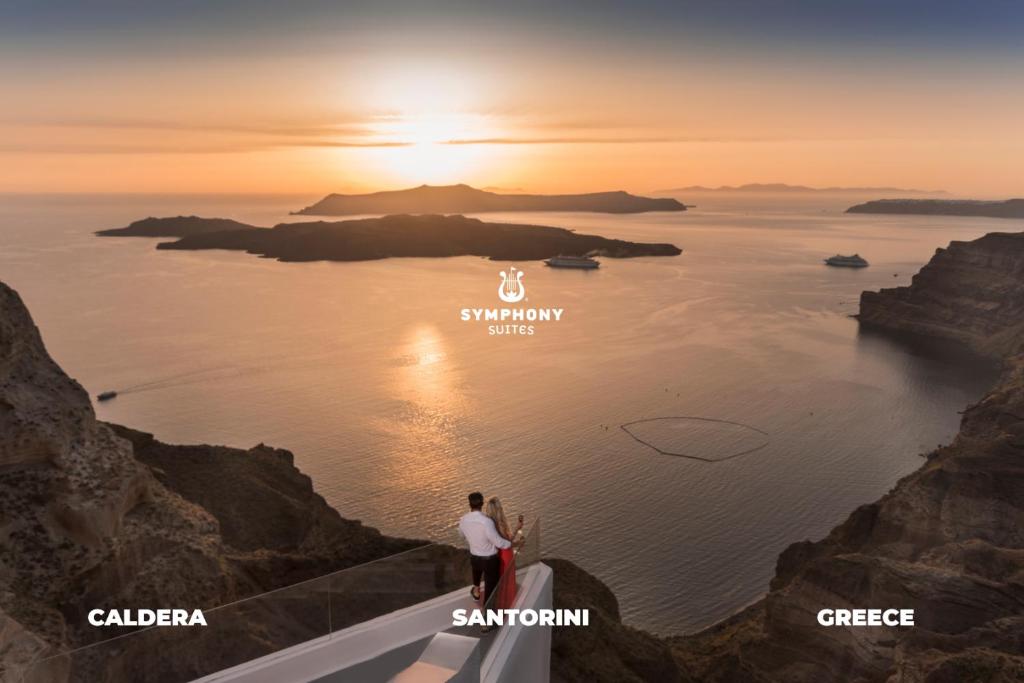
(523,653)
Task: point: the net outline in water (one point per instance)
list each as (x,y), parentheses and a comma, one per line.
(625,427)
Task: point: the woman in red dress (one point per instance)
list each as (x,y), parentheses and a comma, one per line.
(506,595)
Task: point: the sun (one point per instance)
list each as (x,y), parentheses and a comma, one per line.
(426,124)
(431,147)
(430,128)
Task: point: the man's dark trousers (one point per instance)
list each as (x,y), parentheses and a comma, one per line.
(490,568)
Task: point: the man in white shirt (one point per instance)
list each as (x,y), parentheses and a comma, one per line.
(484,541)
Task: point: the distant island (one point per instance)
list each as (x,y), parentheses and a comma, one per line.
(466,199)
(1009,208)
(179,226)
(386,237)
(783,187)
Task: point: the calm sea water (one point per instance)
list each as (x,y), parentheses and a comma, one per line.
(397,408)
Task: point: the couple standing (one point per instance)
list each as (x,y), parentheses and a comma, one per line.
(491,542)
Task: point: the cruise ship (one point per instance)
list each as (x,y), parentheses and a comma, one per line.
(855,261)
(572,262)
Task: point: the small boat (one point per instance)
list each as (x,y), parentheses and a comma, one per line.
(855,261)
(106,395)
(572,262)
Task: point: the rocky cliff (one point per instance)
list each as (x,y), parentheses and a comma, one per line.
(970,292)
(607,651)
(78,510)
(947,541)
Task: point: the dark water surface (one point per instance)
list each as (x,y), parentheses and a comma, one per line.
(397,408)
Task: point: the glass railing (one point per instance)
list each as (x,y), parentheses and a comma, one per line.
(270,622)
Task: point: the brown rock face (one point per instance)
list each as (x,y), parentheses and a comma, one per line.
(970,292)
(273,524)
(947,541)
(44,414)
(607,650)
(80,518)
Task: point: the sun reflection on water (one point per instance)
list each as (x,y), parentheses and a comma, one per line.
(432,406)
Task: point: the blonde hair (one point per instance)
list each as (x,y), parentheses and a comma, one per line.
(494,510)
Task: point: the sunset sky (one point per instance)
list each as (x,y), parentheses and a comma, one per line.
(333,96)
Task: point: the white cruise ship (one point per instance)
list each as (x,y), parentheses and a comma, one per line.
(572,262)
(855,261)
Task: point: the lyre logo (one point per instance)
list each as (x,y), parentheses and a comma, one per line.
(512,320)
(511,289)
